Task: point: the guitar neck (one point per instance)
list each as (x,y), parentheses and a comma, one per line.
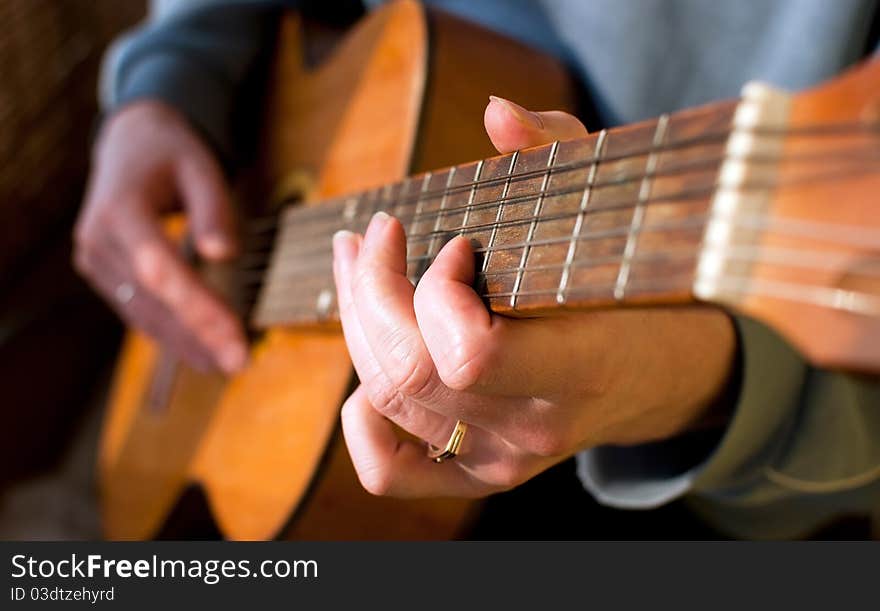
(615,218)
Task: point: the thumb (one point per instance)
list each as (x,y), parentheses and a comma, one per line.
(512,127)
(209,209)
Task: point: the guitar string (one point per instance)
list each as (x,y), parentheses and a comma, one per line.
(810,259)
(301,216)
(280,280)
(597,236)
(856,301)
(299,251)
(850,235)
(529,198)
(268,224)
(842,299)
(818,259)
(816,130)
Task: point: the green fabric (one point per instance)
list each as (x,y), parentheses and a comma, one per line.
(802,445)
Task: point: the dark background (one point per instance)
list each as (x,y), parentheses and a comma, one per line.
(56,339)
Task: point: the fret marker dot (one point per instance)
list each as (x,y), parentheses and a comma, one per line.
(325,300)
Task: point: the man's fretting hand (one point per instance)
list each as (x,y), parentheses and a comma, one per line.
(532,391)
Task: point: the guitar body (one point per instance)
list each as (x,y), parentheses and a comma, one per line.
(403,91)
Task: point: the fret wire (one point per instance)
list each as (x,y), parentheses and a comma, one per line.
(692,222)
(605,233)
(307,246)
(856,128)
(600,289)
(326,304)
(467,209)
(500,211)
(835,234)
(697,222)
(433,242)
(855,301)
(702,165)
(805,258)
(786,257)
(684,169)
(376,201)
(582,211)
(822,233)
(419,202)
(394,203)
(350,211)
(684,253)
(680,254)
(840,299)
(364,208)
(385,203)
(534,222)
(639,210)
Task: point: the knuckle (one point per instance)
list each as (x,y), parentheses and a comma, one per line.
(405,365)
(466,367)
(410,374)
(84,258)
(106,216)
(505,476)
(81,235)
(82,261)
(412,378)
(361,281)
(548,443)
(203,316)
(347,413)
(384,398)
(374,475)
(150,267)
(376,479)
(85,238)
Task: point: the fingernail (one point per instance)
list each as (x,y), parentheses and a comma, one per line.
(377,223)
(342,236)
(342,241)
(380,218)
(526,117)
(233,358)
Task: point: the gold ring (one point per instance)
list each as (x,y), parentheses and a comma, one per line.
(452,446)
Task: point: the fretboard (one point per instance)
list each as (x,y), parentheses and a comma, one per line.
(617,217)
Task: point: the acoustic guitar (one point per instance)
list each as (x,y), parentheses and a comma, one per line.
(766,205)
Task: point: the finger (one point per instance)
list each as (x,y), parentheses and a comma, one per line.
(512,127)
(407,414)
(383,301)
(206,199)
(106,271)
(389,466)
(478,352)
(161,271)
